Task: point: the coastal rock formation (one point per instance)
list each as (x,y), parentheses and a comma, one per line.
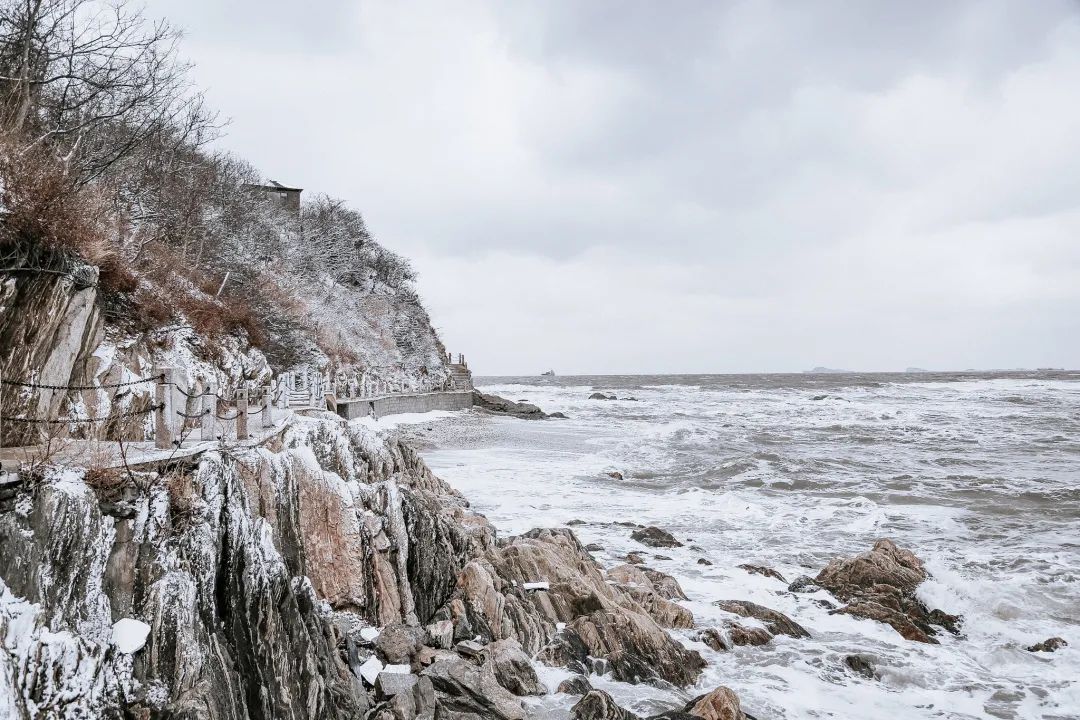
(526,585)
(655,537)
(576,685)
(307,566)
(598,705)
(720,704)
(880,585)
(777,622)
(462,687)
(501,406)
(1048,645)
(654,591)
(513,669)
(762,570)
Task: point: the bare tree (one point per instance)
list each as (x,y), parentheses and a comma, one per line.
(94,81)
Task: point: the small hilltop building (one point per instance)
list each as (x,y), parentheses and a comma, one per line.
(288,197)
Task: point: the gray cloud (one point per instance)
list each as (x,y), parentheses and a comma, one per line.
(751,186)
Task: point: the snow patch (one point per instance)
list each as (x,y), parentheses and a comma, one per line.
(129,635)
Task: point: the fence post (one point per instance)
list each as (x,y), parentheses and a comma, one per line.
(241,413)
(209,412)
(267,405)
(166,408)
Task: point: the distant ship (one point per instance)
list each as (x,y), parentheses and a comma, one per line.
(549,373)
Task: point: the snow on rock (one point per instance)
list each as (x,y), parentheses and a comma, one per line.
(370,670)
(536,585)
(129,635)
(369,634)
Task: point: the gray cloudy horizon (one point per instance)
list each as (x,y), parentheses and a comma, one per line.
(623,187)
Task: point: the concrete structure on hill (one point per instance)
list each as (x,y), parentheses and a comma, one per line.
(287,197)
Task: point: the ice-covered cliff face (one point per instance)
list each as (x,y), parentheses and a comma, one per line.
(256,572)
(236,566)
(55,334)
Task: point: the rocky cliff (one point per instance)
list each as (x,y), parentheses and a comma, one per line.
(270,582)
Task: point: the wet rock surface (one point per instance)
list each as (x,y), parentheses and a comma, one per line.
(861,665)
(655,537)
(880,585)
(598,705)
(762,570)
(576,685)
(1049,645)
(501,406)
(776,622)
(720,704)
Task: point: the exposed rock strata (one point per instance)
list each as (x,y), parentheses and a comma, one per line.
(777,622)
(501,406)
(655,537)
(880,585)
(263,592)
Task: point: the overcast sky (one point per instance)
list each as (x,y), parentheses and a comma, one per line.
(610,187)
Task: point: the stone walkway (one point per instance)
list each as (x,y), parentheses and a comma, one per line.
(107,454)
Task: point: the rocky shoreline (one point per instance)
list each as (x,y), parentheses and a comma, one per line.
(336,563)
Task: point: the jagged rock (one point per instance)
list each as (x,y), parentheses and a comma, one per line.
(441,634)
(462,687)
(389,684)
(713,638)
(469,649)
(576,685)
(885,564)
(655,537)
(652,590)
(615,475)
(762,570)
(880,585)
(664,584)
(602,396)
(501,406)
(804,584)
(493,604)
(1049,645)
(721,704)
(703,561)
(513,669)
(598,705)
(594,547)
(741,635)
(777,622)
(398,644)
(567,650)
(634,558)
(861,665)
(636,648)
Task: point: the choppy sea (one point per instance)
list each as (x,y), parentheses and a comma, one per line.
(978,474)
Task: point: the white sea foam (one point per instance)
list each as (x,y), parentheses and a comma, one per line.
(978,477)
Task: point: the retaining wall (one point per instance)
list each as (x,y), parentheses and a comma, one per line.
(413,403)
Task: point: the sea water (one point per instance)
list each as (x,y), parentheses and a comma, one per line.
(977,474)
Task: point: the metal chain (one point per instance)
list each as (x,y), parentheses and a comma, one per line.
(65,421)
(192,417)
(39,386)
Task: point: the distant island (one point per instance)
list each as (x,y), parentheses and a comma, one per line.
(915,370)
(824,370)
(549,373)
